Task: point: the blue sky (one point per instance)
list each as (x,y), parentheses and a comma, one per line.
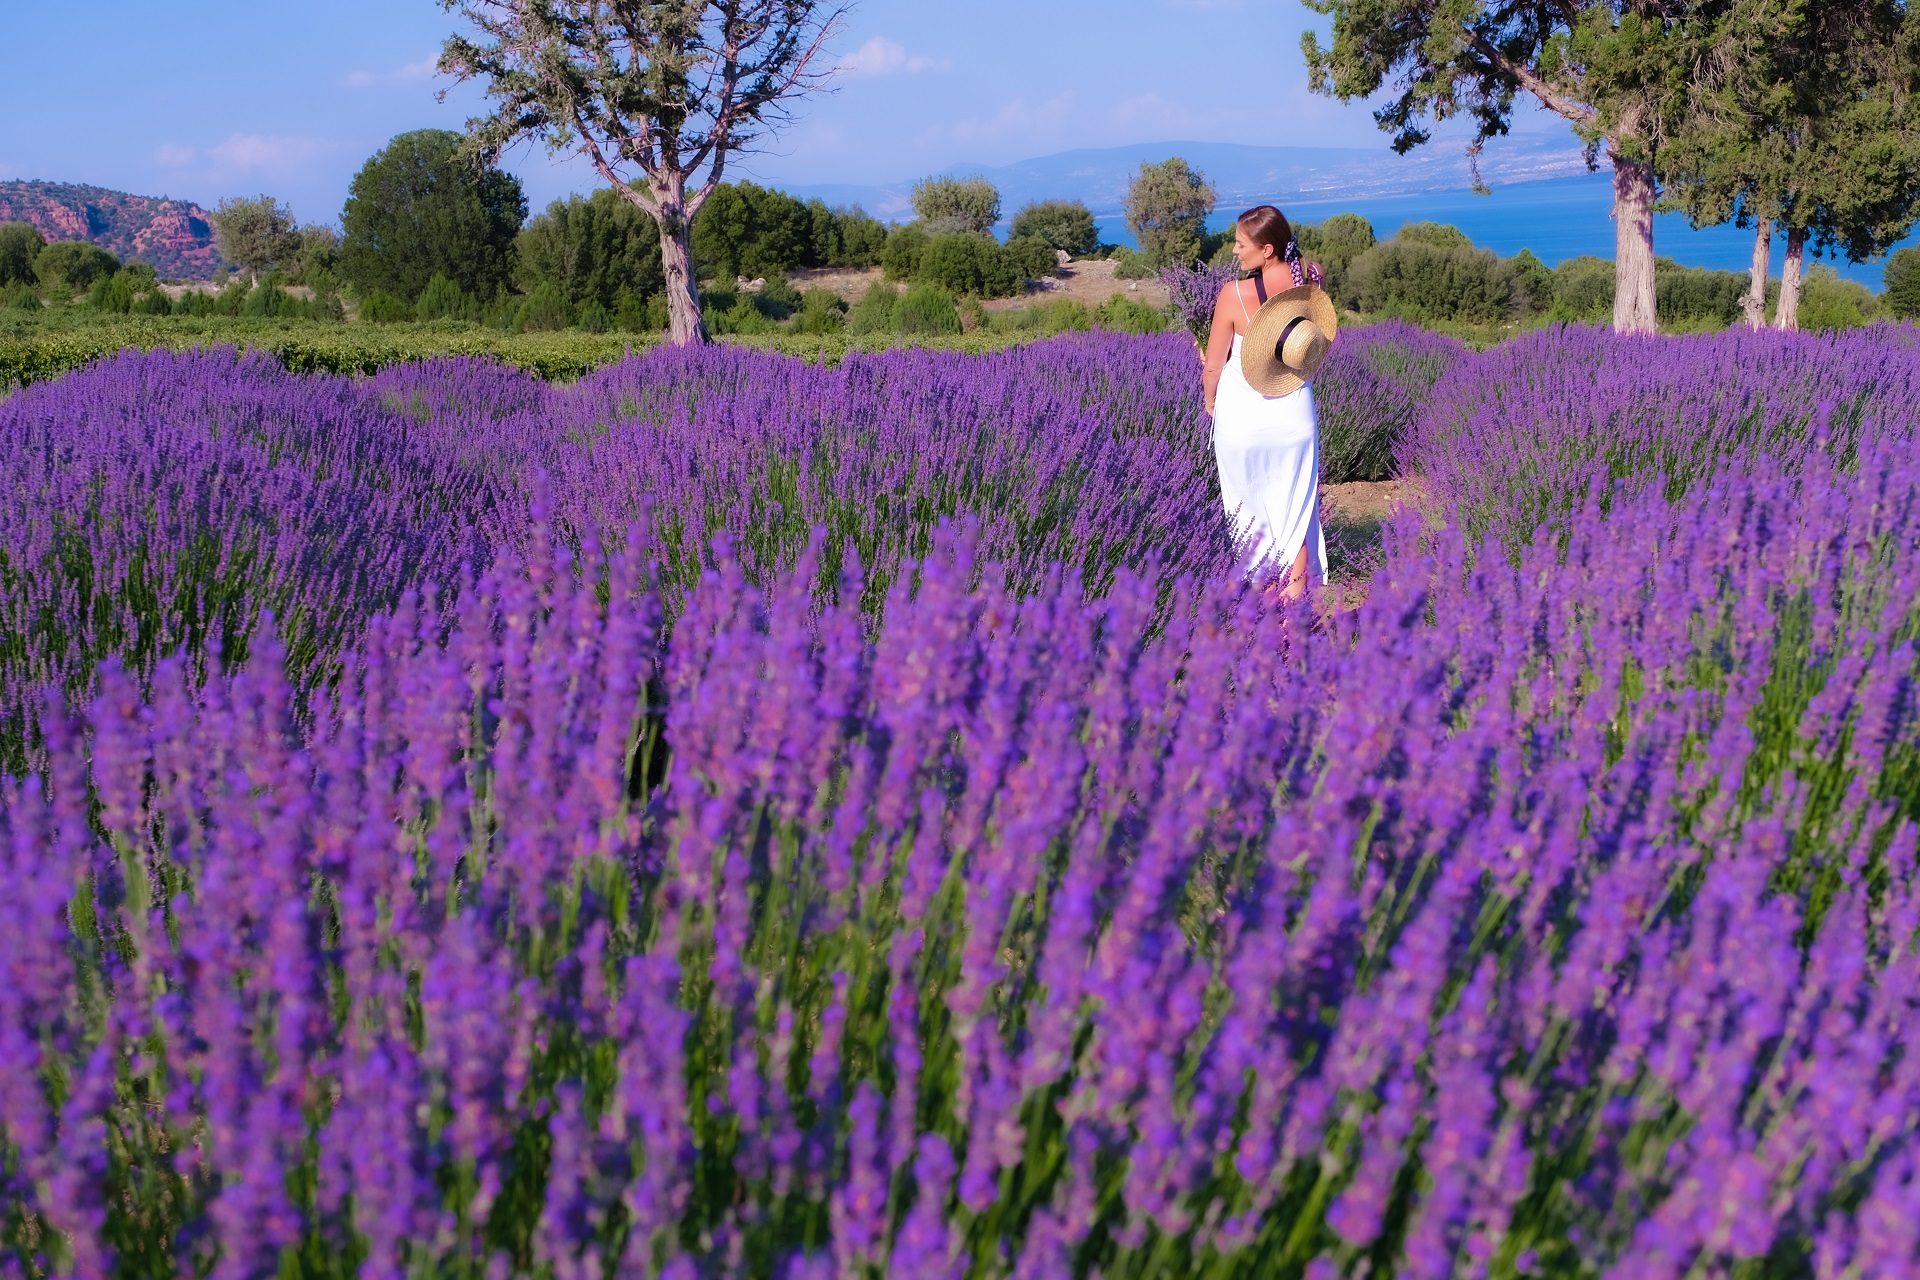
(210,98)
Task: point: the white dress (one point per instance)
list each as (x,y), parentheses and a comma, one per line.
(1268,451)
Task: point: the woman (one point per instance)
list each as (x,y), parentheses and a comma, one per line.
(1267,445)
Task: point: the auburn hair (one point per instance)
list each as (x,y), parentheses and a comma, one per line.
(1265,224)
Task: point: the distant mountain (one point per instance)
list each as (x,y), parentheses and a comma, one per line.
(175,236)
(1241,175)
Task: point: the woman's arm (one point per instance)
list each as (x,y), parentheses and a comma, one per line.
(1219,346)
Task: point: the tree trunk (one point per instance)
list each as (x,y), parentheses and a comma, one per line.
(1755,303)
(1633,289)
(1788,318)
(684,324)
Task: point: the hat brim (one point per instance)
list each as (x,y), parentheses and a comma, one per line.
(1260,360)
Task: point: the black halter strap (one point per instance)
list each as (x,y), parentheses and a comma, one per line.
(1260,284)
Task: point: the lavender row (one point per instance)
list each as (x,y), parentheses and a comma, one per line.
(1554,915)
(1519,435)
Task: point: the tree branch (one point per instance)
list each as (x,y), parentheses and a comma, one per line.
(1532,83)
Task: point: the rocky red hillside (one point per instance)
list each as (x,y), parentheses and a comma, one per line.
(176,236)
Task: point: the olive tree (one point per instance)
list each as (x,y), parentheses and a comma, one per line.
(1614,69)
(1167,208)
(255,235)
(957,204)
(657,96)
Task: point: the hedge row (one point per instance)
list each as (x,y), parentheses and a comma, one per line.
(34,354)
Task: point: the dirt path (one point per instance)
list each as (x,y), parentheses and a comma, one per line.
(1353,517)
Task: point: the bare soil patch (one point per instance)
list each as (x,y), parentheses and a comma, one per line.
(1353,517)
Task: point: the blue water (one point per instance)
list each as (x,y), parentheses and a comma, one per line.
(1558,218)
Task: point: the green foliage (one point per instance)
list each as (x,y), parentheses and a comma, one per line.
(747,230)
(1064,224)
(442,299)
(1695,297)
(316,260)
(845,237)
(1032,257)
(905,249)
(874,312)
(256,235)
(1167,208)
(544,311)
(1126,315)
(112,294)
(1828,303)
(19,297)
(421,208)
(1532,283)
(741,316)
(1441,235)
(966,262)
(20,244)
(1902,280)
(1131,264)
(1418,280)
(1334,244)
(926,309)
(957,204)
(1583,289)
(821,311)
(590,249)
(67,267)
(384,308)
(633,314)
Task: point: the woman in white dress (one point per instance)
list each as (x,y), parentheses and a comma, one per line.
(1270,333)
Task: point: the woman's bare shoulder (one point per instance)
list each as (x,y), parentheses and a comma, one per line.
(1227,290)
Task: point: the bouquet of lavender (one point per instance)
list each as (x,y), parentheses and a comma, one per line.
(1193,291)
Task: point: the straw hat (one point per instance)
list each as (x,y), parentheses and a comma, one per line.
(1290,336)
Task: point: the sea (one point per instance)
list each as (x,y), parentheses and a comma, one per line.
(1557,218)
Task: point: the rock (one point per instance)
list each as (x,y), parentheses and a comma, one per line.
(1062,257)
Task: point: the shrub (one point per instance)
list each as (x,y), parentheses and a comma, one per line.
(112,294)
(594,318)
(821,311)
(1032,257)
(269,300)
(905,250)
(634,314)
(777,298)
(1418,280)
(1532,283)
(1065,225)
(874,312)
(1583,289)
(1122,314)
(20,244)
(19,297)
(742,316)
(1829,303)
(747,230)
(965,262)
(442,299)
(1695,297)
(926,310)
(384,308)
(153,303)
(68,267)
(544,311)
(958,204)
(591,248)
(847,237)
(1902,281)
(1441,235)
(1334,244)
(1131,264)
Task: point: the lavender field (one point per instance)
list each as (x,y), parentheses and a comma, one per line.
(729,816)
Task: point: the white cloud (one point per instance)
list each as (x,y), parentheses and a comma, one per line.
(243,152)
(412,73)
(883,57)
(173,156)
(1018,117)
